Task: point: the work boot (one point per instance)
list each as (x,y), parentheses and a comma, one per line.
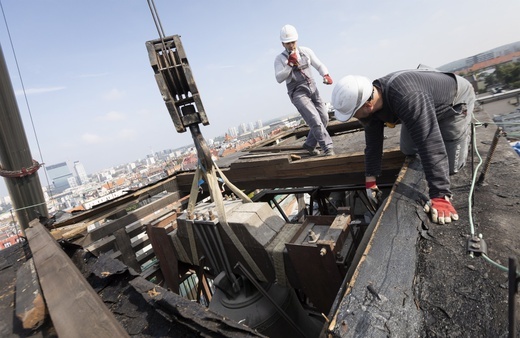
(312,151)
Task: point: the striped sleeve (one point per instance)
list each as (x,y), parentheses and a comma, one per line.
(418,99)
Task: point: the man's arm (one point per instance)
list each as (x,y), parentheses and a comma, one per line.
(281,69)
(373,154)
(417,113)
(374,137)
(315,62)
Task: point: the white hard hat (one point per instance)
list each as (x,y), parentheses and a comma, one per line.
(288,34)
(349,94)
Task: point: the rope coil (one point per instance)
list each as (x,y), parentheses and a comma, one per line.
(22,172)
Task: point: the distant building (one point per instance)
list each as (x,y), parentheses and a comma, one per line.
(59,175)
(80,172)
(233,132)
(502,54)
(150,160)
(242,129)
(73,182)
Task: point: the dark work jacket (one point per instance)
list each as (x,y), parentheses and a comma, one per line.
(418,99)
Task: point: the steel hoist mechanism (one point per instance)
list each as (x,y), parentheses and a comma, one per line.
(255,258)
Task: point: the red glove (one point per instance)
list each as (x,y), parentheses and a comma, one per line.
(441,210)
(327,79)
(293,59)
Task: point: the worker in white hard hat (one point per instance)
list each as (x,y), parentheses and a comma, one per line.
(293,67)
(434,110)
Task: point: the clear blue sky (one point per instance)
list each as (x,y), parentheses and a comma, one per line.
(93,96)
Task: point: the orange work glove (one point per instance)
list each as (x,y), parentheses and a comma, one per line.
(441,210)
(293,59)
(327,79)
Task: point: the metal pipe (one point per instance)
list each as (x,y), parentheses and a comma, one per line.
(513,289)
(224,257)
(15,154)
(277,205)
(206,246)
(494,143)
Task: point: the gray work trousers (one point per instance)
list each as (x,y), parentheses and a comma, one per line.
(314,112)
(455,129)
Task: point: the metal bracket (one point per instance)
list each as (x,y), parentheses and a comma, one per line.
(313,237)
(477,246)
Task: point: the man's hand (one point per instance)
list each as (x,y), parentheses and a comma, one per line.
(293,59)
(327,79)
(373,193)
(441,210)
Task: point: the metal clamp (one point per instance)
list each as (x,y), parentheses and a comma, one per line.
(477,246)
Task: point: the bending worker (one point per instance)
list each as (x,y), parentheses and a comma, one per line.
(435,111)
(293,67)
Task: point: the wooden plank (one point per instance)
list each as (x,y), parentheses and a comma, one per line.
(142,215)
(30,307)
(75,308)
(282,172)
(141,242)
(103,245)
(146,256)
(127,252)
(276,149)
(380,292)
(165,253)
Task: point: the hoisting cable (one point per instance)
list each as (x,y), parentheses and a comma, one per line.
(473,181)
(35,165)
(470,212)
(166,52)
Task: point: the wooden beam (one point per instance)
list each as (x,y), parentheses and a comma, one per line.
(30,307)
(164,251)
(75,308)
(281,171)
(379,288)
(127,252)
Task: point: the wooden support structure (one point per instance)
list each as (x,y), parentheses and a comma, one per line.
(280,170)
(73,305)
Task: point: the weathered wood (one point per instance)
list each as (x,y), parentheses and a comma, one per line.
(30,307)
(334,127)
(281,171)
(127,252)
(145,256)
(106,209)
(75,308)
(141,215)
(103,245)
(379,299)
(141,243)
(164,251)
(337,233)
